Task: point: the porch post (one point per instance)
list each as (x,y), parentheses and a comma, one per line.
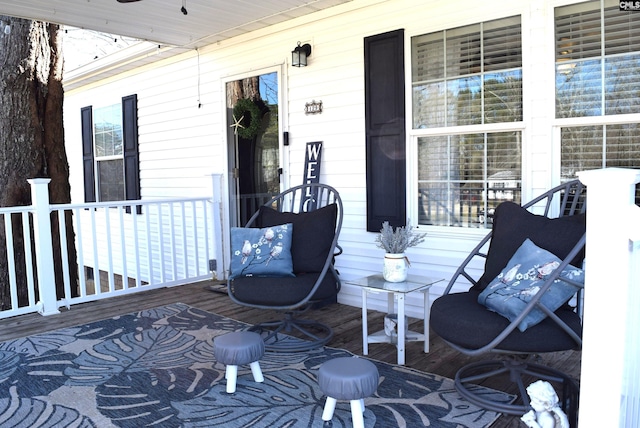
(44,245)
(610,345)
(217,228)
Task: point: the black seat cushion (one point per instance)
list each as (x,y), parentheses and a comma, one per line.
(512,224)
(459,318)
(271,291)
(313,234)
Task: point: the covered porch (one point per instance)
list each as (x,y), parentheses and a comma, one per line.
(345,320)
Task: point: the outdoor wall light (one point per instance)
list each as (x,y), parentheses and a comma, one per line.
(300,54)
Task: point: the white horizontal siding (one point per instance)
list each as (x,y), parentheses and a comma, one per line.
(181,141)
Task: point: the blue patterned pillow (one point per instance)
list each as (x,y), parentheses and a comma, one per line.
(521,279)
(261,252)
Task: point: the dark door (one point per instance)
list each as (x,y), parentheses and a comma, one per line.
(253,133)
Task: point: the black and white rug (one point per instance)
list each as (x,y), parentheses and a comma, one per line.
(156,368)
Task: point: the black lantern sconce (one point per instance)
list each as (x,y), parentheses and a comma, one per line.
(300,54)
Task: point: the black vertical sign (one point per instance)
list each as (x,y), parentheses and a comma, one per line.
(312,162)
(313,157)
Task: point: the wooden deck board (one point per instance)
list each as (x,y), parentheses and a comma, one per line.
(346,321)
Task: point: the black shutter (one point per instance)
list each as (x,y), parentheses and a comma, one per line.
(86,114)
(130,136)
(385,129)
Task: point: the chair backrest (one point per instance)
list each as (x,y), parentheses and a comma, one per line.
(567,199)
(304,198)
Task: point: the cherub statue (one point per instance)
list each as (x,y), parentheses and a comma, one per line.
(546,413)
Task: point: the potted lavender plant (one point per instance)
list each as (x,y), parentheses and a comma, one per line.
(395,241)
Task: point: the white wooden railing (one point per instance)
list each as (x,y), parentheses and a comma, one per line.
(122,247)
(610,374)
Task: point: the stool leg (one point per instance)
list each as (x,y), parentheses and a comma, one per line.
(257,373)
(357,409)
(329,407)
(232,375)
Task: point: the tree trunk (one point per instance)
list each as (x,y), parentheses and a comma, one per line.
(31,141)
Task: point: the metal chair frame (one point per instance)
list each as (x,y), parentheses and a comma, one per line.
(299,199)
(568,199)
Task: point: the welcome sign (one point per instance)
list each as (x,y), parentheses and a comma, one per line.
(313,157)
(312,162)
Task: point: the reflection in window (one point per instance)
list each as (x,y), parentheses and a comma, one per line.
(597,62)
(596,70)
(462,178)
(109,155)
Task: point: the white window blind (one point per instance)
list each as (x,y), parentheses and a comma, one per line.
(469,76)
(597,58)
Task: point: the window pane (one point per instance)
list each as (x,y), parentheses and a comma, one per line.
(503,97)
(578,31)
(457,59)
(470,166)
(428,105)
(623,150)
(462,178)
(578,89)
(622,94)
(111,180)
(108,130)
(621,32)
(464,106)
(433,158)
(595,71)
(504,157)
(502,44)
(581,149)
(463,51)
(427,57)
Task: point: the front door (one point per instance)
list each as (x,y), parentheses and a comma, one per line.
(254,147)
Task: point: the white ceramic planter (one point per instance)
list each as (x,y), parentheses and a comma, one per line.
(396,267)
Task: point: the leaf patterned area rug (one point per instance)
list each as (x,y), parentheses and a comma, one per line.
(157,368)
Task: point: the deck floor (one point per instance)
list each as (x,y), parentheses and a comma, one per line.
(346,321)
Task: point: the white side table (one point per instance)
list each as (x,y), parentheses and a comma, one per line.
(395,291)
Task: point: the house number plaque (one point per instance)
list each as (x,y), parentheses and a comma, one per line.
(314,107)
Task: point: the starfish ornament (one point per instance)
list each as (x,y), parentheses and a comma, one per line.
(236,124)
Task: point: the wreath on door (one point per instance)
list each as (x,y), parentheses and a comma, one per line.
(247,118)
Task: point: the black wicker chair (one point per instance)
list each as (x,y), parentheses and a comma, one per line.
(315,210)
(471,328)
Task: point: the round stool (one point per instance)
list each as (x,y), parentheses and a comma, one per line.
(347,378)
(238,348)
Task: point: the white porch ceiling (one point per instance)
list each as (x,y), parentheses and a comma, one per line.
(162,22)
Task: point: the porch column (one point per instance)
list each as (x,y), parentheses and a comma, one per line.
(610,348)
(44,246)
(217,228)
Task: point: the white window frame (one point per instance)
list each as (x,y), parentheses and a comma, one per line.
(97,159)
(414,134)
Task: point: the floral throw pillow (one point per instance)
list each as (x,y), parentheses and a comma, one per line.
(261,252)
(521,279)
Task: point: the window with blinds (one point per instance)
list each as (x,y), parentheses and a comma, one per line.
(597,49)
(597,59)
(467,76)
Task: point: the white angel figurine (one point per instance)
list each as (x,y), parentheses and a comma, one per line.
(546,413)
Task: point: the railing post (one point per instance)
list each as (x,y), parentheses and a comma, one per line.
(44,245)
(612,223)
(217,228)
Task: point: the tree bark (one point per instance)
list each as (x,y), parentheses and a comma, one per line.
(32,141)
